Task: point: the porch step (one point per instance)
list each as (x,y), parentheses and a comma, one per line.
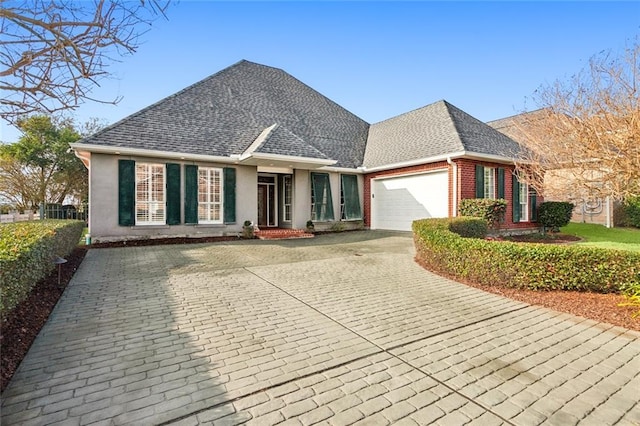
(281,234)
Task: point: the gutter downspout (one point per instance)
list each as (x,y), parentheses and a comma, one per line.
(85,157)
(609,222)
(454,195)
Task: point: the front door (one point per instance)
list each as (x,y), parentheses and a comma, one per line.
(267,201)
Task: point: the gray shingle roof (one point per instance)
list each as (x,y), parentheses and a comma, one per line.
(224,113)
(435,130)
(282,141)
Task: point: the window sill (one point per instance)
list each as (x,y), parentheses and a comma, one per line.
(150,227)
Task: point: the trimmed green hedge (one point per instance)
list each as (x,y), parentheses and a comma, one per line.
(631,208)
(492,210)
(555,214)
(27,250)
(532,266)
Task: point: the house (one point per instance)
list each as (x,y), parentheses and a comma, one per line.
(560,183)
(252,143)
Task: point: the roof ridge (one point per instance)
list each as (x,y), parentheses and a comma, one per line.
(411,111)
(466,115)
(299,138)
(457,131)
(509,117)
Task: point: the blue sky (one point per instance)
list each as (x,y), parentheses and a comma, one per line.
(377,59)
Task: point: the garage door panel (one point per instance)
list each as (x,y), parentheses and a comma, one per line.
(398,201)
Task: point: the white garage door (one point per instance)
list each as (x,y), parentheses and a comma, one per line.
(397,202)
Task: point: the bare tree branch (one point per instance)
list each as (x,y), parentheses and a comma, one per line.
(53,52)
(584,141)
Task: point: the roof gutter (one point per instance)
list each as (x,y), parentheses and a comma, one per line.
(489,157)
(412,162)
(98,149)
(289,158)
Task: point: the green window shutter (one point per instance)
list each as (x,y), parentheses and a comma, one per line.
(351,197)
(533,210)
(173,194)
(500,182)
(229,195)
(479,181)
(323,203)
(126,192)
(190,194)
(515,189)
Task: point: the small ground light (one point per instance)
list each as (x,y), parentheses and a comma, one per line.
(59,261)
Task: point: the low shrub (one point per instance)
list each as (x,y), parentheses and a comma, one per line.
(491,210)
(632,296)
(555,214)
(631,208)
(469,227)
(27,250)
(532,266)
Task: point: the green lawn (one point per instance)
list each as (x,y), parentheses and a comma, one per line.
(600,236)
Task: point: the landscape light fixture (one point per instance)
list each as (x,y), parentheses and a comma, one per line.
(59,261)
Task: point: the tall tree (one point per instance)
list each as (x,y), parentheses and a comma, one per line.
(40,167)
(584,140)
(53,52)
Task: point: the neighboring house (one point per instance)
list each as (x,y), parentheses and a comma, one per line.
(560,184)
(253,143)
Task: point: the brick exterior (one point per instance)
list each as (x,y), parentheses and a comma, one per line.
(466,182)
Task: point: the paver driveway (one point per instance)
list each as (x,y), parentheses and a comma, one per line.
(340,329)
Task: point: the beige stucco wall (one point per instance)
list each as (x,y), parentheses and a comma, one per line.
(562,185)
(103,203)
(302,200)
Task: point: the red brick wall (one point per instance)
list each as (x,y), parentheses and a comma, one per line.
(466,179)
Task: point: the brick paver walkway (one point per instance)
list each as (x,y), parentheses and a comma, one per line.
(341,329)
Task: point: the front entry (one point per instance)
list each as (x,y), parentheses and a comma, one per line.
(267,214)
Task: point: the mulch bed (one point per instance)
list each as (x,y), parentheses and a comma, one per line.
(24,322)
(20,328)
(162,241)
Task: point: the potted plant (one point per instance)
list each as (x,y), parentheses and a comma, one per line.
(248,229)
(310,226)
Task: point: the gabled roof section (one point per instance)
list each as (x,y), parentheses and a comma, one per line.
(512,126)
(436,130)
(282,141)
(223,115)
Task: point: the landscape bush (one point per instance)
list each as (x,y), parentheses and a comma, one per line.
(631,208)
(27,250)
(555,214)
(491,210)
(632,296)
(469,228)
(518,265)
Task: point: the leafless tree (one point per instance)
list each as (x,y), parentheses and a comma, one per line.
(53,52)
(584,141)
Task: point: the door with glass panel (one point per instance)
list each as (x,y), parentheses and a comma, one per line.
(267,201)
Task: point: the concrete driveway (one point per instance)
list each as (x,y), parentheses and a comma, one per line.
(340,329)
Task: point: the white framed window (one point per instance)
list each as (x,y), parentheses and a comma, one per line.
(150,194)
(210,195)
(287,183)
(489,182)
(524,201)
